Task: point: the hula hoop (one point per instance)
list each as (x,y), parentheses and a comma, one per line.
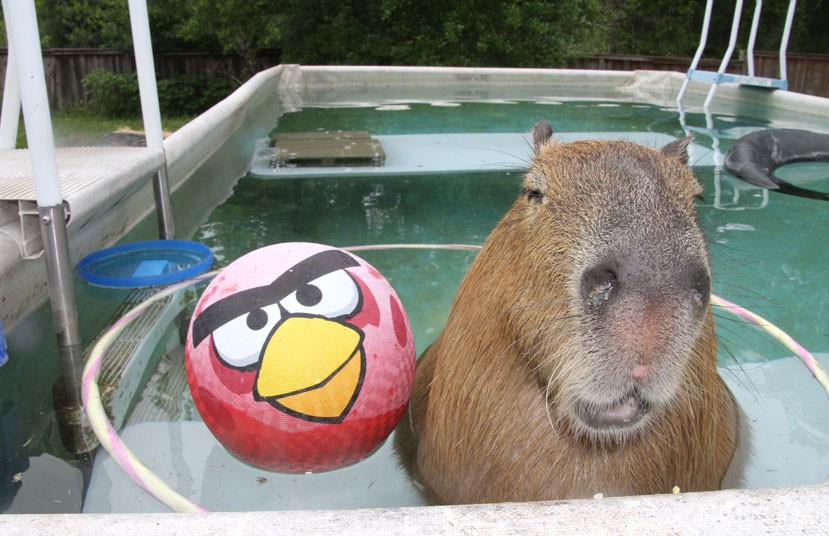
(151,483)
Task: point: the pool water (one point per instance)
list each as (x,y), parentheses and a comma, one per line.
(766,250)
(764,247)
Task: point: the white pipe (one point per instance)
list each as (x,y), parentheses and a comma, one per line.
(755,22)
(10,115)
(784,41)
(21,14)
(732,42)
(703,39)
(142,43)
(145,66)
(38,120)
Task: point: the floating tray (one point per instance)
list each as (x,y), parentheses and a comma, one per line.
(326,149)
(145,264)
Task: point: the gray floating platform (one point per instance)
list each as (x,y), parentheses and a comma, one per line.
(325,149)
(411,154)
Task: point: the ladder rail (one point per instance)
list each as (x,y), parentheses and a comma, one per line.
(732,44)
(755,22)
(784,40)
(720,76)
(703,40)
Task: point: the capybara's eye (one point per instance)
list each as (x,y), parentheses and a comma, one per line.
(533,195)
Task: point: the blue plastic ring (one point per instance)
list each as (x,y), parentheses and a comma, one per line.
(148,261)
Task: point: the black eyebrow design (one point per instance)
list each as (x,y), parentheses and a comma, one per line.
(225,310)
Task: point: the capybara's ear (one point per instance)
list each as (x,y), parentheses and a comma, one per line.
(542,131)
(678,149)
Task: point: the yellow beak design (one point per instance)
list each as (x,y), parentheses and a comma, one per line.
(312,368)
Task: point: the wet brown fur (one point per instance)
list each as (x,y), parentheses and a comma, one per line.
(491,415)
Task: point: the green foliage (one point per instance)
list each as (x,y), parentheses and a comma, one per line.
(83,23)
(672,28)
(191,95)
(105,24)
(111,94)
(518,33)
(809,33)
(117,95)
(232,26)
(637,29)
(430,32)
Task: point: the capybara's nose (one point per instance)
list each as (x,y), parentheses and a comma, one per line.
(611,278)
(697,281)
(599,284)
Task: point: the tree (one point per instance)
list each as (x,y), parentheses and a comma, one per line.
(104,24)
(233,26)
(432,32)
(427,32)
(84,23)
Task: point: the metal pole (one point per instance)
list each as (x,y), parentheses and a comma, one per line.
(38,122)
(145,66)
(59,273)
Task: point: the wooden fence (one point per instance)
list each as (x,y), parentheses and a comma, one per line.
(65,68)
(806,73)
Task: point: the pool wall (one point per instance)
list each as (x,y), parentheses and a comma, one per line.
(289,87)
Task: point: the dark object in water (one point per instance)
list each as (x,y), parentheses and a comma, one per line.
(754,158)
(14,455)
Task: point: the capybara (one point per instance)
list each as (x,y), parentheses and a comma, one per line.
(579,357)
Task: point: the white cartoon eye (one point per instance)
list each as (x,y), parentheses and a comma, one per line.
(332,295)
(239,342)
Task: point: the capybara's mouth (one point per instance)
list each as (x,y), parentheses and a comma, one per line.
(626,412)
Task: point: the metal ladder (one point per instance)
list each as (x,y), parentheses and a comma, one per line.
(720,76)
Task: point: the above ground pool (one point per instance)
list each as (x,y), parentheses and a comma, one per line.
(767,254)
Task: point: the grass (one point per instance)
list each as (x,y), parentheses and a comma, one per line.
(80,127)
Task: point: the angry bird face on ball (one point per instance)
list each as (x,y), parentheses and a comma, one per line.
(300,358)
(309,361)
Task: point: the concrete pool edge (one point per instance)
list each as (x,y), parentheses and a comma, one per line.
(759,511)
(781,509)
